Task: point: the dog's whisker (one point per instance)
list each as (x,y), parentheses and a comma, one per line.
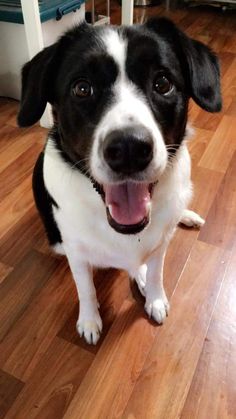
(175,147)
(78,162)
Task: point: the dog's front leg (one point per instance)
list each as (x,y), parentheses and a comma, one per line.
(156,305)
(89,323)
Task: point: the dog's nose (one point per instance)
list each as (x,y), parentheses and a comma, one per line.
(128,151)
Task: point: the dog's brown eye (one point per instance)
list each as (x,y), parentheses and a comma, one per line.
(162,85)
(82,88)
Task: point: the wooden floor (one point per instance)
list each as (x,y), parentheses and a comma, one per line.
(187,367)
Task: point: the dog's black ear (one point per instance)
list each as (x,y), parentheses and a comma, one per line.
(199,63)
(37,90)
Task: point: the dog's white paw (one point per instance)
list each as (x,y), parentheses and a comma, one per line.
(157,309)
(192,219)
(90,328)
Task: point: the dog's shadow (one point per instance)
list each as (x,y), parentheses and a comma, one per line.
(121,306)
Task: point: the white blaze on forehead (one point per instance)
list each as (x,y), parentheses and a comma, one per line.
(116,47)
(129,108)
(129,105)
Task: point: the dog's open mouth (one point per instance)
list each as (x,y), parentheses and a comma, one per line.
(128,206)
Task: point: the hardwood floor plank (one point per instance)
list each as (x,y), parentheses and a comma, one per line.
(42,245)
(229,44)
(19,145)
(187,20)
(49,391)
(28,341)
(194,24)
(18,170)
(204,120)
(15,205)
(4,271)
(21,237)
(163,384)
(220,227)
(114,391)
(222,146)
(198,144)
(21,286)
(231,110)
(9,134)
(229,85)
(226,60)
(116,366)
(177,256)
(10,387)
(213,389)
(205,185)
(9,109)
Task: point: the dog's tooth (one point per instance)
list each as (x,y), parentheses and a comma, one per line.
(148,206)
(110,209)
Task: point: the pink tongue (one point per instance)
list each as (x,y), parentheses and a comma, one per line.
(127,202)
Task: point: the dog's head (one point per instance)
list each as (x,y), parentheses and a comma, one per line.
(120,98)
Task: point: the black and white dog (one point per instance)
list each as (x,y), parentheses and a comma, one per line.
(114,178)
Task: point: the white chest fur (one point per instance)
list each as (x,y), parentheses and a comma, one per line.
(81,216)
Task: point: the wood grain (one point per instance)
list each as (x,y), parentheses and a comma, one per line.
(111,378)
(213,389)
(17,146)
(222,146)
(49,391)
(22,284)
(10,387)
(50,309)
(21,237)
(18,170)
(220,228)
(229,85)
(4,271)
(9,134)
(15,205)
(8,111)
(159,392)
(199,143)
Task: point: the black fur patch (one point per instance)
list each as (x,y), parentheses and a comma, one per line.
(78,165)
(45,203)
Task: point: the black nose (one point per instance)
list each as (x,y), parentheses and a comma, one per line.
(128,151)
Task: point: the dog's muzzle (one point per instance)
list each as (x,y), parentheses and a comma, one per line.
(128,201)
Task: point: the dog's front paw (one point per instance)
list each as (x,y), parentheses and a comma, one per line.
(192,219)
(157,309)
(90,328)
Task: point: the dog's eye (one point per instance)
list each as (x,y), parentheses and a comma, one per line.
(82,88)
(162,85)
